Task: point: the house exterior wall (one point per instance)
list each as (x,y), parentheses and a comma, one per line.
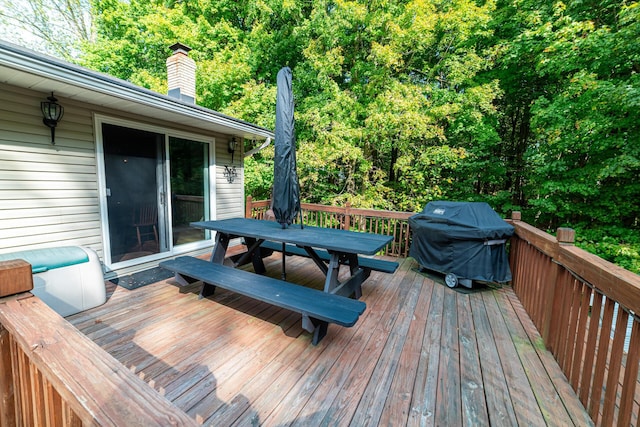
(49,194)
(230,196)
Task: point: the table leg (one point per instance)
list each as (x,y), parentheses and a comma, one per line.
(320,332)
(353,285)
(317,327)
(217,256)
(355,269)
(220,248)
(256,258)
(207,290)
(331,282)
(251,250)
(316,259)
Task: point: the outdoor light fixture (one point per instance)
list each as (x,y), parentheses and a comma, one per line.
(52,112)
(233,144)
(230,173)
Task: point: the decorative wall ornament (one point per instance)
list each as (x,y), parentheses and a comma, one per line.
(230,173)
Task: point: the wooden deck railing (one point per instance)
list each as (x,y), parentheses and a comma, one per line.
(582,305)
(374,221)
(53,375)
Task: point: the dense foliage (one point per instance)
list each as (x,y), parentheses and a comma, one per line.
(528,105)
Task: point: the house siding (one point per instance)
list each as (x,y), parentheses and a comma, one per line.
(49,194)
(229,196)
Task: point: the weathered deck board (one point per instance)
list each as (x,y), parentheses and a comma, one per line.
(370,409)
(423,402)
(421,354)
(398,401)
(448,397)
(525,404)
(474,410)
(344,371)
(499,404)
(547,398)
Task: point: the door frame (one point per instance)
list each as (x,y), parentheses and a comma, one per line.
(99,120)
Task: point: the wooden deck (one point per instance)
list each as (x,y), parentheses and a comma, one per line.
(421,354)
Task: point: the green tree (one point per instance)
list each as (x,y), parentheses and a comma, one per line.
(406,72)
(56,27)
(587,158)
(569,77)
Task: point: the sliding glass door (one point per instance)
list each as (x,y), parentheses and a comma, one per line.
(155,185)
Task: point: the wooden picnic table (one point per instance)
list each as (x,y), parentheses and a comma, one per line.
(343,247)
(329,248)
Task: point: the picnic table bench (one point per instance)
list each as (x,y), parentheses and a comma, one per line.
(364,262)
(318,308)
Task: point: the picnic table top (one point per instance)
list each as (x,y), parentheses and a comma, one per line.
(316,237)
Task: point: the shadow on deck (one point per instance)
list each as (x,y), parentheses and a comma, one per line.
(421,354)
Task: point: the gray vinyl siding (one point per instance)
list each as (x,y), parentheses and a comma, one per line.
(229,196)
(48,193)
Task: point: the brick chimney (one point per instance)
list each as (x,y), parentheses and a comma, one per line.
(181,74)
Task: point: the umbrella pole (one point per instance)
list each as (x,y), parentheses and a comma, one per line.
(284,257)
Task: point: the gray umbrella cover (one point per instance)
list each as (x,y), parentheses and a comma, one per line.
(286,188)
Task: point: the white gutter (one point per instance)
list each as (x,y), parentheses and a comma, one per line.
(264,145)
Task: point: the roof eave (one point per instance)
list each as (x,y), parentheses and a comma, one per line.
(27,68)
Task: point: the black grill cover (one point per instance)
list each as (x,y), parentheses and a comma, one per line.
(460,238)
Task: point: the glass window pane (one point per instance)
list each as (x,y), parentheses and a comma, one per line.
(189,188)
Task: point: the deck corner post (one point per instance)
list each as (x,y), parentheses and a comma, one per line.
(565,236)
(248,207)
(516,215)
(7,398)
(347,216)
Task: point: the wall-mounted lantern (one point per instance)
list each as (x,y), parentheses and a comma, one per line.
(233,144)
(52,112)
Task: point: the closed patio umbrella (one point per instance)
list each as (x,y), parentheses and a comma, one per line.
(285,202)
(286,188)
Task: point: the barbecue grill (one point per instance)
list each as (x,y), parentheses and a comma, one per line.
(466,241)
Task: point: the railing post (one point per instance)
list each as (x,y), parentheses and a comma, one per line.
(564,236)
(248,207)
(15,277)
(7,397)
(347,216)
(513,252)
